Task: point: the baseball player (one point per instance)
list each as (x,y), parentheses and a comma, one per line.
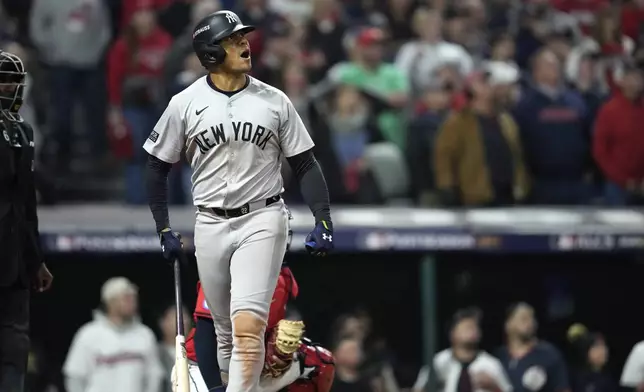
(234,130)
(312,367)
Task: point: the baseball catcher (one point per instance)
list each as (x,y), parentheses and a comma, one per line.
(291,361)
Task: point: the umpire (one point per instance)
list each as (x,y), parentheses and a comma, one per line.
(21,265)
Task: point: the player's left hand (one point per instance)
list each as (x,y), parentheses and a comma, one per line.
(320,241)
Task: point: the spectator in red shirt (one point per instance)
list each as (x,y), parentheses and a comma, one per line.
(632,16)
(131,7)
(135,66)
(618,145)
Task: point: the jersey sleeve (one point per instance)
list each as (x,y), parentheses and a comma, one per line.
(294,138)
(168,137)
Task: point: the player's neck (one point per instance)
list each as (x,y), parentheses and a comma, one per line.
(228,82)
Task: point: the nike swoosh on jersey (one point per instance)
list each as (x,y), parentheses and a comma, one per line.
(198,112)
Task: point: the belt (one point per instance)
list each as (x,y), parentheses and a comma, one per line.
(243,210)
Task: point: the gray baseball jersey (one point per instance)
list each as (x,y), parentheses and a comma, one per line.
(233,144)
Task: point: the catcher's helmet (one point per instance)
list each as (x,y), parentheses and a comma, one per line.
(208,33)
(12,85)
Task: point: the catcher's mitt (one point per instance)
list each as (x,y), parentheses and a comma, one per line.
(283,341)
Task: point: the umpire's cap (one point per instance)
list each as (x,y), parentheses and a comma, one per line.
(208,33)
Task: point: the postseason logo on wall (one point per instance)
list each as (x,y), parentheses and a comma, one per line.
(414,241)
(589,242)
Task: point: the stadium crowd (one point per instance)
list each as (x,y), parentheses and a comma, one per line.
(460,102)
(364,362)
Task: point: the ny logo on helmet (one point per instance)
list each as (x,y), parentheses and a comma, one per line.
(232,18)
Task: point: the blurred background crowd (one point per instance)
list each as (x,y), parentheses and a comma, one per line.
(365,360)
(436,102)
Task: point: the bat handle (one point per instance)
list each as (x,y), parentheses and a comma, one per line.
(178,300)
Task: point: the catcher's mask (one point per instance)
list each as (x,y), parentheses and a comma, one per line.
(12,85)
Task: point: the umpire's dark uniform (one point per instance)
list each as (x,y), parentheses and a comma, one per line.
(19,242)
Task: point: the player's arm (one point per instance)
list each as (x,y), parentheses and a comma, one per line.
(164,146)
(31,208)
(157,186)
(297,145)
(313,186)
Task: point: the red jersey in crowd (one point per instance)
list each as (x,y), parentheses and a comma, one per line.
(618,144)
(130,7)
(147,60)
(285,289)
(631,19)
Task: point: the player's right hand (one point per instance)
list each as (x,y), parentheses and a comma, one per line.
(171,244)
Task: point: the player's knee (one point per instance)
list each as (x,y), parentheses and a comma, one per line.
(248,330)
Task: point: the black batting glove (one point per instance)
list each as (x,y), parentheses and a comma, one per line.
(320,241)
(171,244)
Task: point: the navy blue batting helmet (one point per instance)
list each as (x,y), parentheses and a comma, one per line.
(209,32)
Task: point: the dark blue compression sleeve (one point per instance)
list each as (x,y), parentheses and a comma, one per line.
(206,350)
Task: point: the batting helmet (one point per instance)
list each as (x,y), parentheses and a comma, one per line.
(209,32)
(12,85)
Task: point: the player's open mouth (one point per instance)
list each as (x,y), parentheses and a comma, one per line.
(245,54)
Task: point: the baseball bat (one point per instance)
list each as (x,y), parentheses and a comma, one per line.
(181,357)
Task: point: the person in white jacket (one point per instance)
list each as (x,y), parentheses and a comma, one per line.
(115,351)
(633,373)
(464,365)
